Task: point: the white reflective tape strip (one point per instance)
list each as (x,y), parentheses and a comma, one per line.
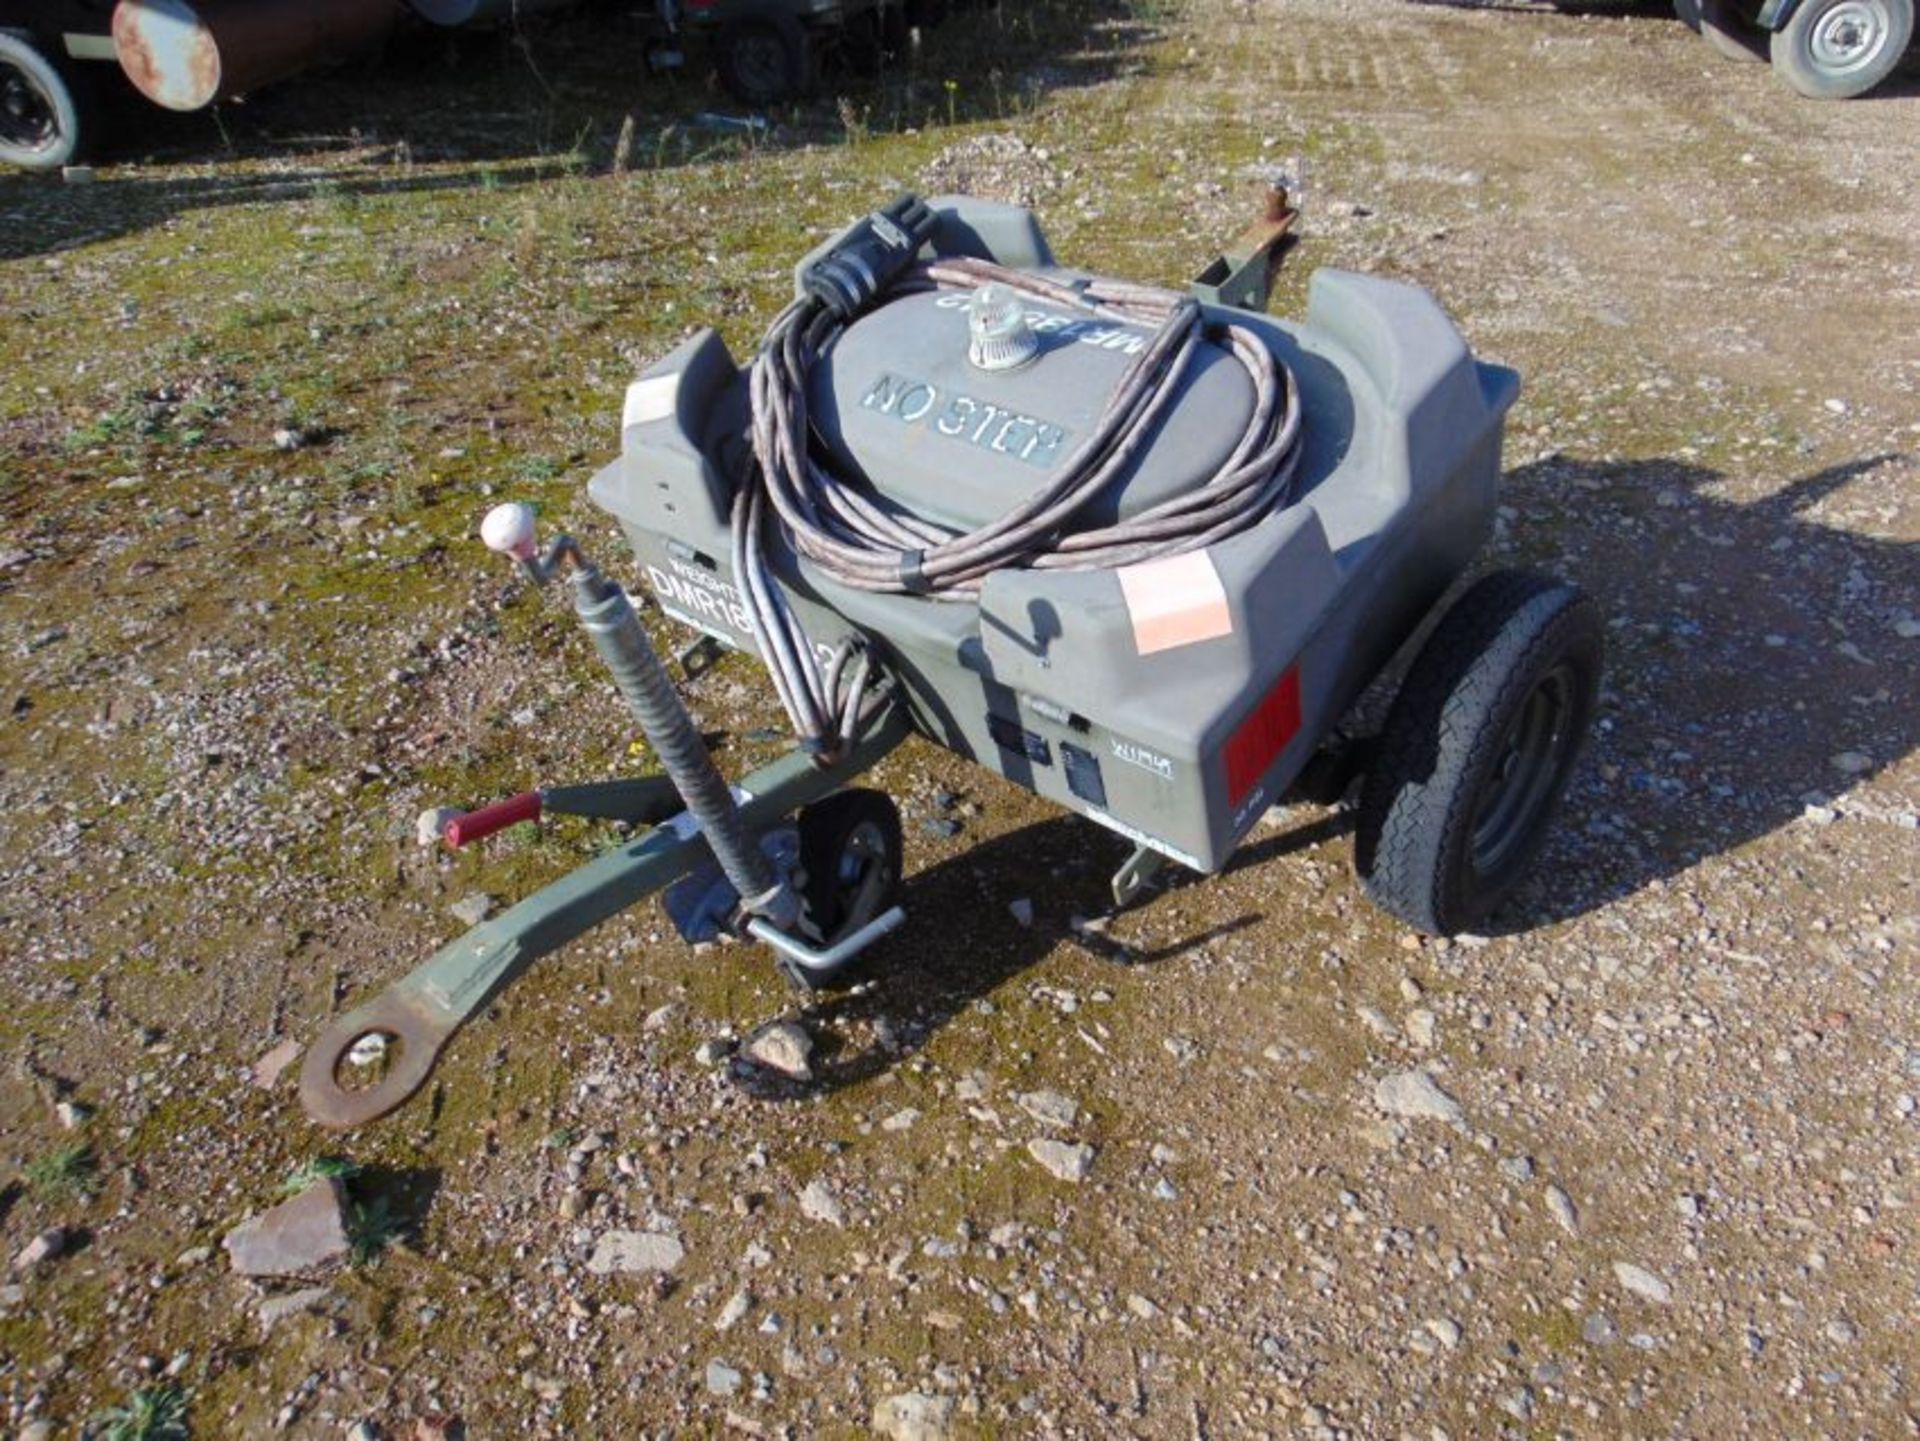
(650,399)
(91,47)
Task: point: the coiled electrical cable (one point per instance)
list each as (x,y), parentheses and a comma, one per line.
(857,541)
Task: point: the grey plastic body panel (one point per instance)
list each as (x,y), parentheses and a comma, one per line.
(900,407)
(1043,680)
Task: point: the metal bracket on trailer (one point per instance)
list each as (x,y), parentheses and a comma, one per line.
(1242,275)
(1140,870)
(422,1011)
(700,657)
(830,958)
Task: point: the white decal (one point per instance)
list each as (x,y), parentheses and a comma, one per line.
(1101,334)
(1250,810)
(707,600)
(976,422)
(701,599)
(1135,754)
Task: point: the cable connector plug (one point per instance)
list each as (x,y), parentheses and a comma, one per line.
(870,255)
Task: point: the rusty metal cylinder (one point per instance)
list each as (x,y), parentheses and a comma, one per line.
(188,55)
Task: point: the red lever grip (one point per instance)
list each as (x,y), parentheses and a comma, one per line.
(477,825)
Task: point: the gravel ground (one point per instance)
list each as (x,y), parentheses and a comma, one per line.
(1247,1159)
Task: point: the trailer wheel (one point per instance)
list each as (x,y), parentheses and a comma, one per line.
(850,864)
(764,58)
(1837,49)
(1477,749)
(44,114)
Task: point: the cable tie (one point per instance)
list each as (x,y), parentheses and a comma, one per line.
(913,579)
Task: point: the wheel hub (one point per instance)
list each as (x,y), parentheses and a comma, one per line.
(862,875)
(26,118)
(1522,779)
(1849,35)
(762,63)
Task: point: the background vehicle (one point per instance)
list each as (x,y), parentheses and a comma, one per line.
(767,51)
(1826,49)
(58,57)
(50,75)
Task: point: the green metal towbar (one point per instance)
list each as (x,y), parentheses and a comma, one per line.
(750,881)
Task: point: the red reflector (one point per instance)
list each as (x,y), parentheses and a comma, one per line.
(1257,742)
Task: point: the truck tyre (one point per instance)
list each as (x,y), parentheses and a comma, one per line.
(1725,27)
(1477,749)
(896,32)
(45,115)
(1722,25)
(1837,49)
(867,41)
(764,58)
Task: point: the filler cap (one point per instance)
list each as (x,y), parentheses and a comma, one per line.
(998,336)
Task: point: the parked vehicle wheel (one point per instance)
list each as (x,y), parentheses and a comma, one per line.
(850,864)
(896,30)
(45,115)
(1725,27)
(864,43)
(1836,49)
(764,59)
(1477,749)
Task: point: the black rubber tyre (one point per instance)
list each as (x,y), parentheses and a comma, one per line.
(45,113)
(1725,27)
(896,31)
(1837,49)
(863,44)
(764,58)
(1477,749)
(850,866)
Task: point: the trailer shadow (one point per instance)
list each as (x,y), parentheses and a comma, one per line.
(1755,666)
(389,1204)
(930,976)
(443,111)
(1750,645)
